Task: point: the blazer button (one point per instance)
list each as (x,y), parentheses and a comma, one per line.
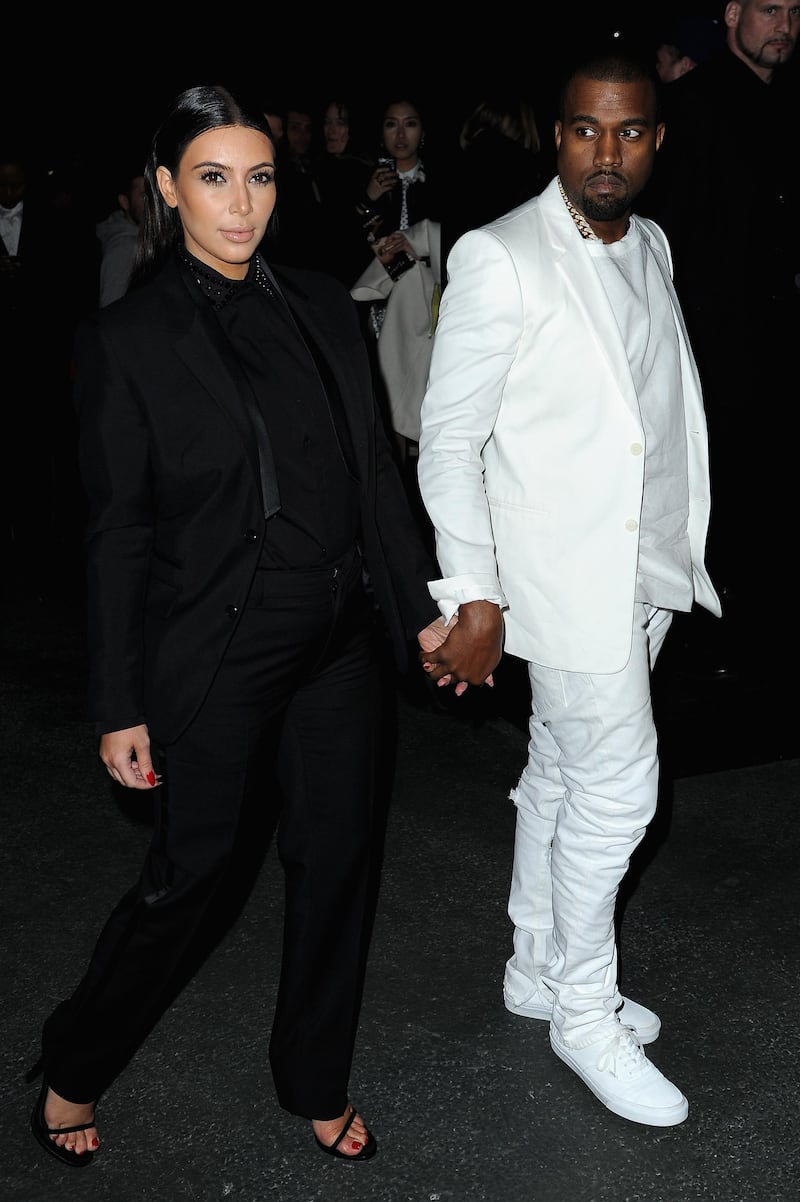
(232,611)
(250,536)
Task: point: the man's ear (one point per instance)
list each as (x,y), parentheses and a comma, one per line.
(660,131)
(557,131)
(732,13)
(166,186)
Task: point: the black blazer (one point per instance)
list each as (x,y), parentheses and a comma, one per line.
(176,493)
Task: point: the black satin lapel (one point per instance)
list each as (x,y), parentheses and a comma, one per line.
(206,353)
(333,395)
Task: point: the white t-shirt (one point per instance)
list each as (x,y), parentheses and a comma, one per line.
(641,305)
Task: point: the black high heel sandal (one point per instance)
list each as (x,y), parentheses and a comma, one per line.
(42,1132)
(367,1151)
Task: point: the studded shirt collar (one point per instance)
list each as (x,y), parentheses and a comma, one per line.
(218,288)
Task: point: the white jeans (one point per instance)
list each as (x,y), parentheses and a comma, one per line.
(584,800)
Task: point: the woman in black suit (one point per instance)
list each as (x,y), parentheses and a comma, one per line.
(246,526)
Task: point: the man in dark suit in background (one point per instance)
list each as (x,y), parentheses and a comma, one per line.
(726,191)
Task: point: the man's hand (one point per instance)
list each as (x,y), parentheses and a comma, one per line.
(471,649)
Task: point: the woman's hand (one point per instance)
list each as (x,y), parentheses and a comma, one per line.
(470,652)
(126,755)
(382,180)
(393,244)
(437,635)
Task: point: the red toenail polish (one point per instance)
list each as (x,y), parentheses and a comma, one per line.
(95,1142)
(356,1146)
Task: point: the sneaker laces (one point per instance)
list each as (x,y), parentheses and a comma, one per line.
(622,1056)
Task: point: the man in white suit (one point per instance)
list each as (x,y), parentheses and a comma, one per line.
(563,462)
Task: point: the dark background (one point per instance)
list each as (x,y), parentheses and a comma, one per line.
(80,89)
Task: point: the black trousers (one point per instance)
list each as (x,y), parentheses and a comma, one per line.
(289,726)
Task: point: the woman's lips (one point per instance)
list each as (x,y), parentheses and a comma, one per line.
(238,235)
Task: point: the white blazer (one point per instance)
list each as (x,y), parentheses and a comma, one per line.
(531,456)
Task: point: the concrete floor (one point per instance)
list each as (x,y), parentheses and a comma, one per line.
(467,1101)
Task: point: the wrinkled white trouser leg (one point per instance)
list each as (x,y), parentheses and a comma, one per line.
(584,800)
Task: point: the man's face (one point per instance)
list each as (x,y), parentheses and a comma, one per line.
(762,32)
(670,63)
(275,122)
(607,144)
(132,201)
(298,131)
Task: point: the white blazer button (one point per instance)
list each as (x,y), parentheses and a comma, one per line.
(631,524)
(636,448)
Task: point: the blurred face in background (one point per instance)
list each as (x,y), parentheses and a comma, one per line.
(132,201)
(402,133)
(12,184)
(336,128)
(299,127)
(275,121)
(671,64)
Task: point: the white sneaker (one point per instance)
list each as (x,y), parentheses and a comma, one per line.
(620,1075)
(644,1022)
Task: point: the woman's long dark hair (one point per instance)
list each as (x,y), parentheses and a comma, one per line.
(191,113)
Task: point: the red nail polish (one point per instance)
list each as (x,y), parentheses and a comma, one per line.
(95,1142)
(151,778)
(356,1146)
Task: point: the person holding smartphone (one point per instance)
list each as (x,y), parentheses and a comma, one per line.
(398,193)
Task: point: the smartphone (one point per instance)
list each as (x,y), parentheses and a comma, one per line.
(385,160)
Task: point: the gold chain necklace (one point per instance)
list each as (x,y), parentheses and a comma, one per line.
(584,228)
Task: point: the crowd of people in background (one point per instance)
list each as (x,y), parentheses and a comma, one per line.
(341,175)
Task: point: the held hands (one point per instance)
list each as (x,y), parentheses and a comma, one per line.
(126,755)
(467,650)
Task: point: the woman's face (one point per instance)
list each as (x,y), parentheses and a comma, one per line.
(335,130)
(402,131)
(224,191)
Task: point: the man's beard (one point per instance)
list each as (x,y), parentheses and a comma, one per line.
(605,208)
(764,56)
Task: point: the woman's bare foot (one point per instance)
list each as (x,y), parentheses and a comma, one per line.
(58,1112)
(356,1137)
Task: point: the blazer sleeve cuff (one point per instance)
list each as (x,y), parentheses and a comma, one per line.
(453,591)
(125,722)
